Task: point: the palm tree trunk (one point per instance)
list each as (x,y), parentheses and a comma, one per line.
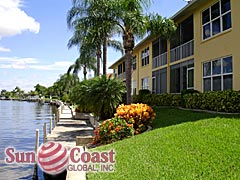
(128,44)
(128,68)
(98,59)
(105,56)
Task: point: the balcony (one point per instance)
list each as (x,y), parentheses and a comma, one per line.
(160,60)
(122,76)
(182,51)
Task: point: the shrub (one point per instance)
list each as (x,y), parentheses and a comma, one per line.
(193,101)
(80,94)
(187,91)
(220,101)
(137,115)
(80,109)
(100,95)
(124,98)
(143,92)
(112,130)
(159,99)
(142,95)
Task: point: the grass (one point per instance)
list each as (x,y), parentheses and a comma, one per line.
(183,145)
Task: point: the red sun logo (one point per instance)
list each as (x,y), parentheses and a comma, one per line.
(52,158)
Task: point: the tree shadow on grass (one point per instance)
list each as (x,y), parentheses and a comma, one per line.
(166,116)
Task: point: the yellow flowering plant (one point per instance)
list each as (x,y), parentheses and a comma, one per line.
(139,115)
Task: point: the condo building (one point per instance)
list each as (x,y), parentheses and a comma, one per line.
(203,55)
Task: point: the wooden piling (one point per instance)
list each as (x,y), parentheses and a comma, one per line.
(37,140)
(50,129)
(44,132)
(35,171)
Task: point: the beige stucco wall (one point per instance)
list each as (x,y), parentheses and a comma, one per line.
(145,71)
(221,45)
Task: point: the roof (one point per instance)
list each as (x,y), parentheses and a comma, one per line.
(188,8)
(119,60)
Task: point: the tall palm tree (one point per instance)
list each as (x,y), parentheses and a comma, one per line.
(129,16)
(86,18)
(85,62)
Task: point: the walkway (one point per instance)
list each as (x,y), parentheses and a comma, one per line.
(65,133)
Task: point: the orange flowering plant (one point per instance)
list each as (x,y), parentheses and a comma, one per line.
(137,115)
(112,130)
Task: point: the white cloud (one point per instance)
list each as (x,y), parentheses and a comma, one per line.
(60,65)
(13,20)
(16,62)
(3,49)
(32,63)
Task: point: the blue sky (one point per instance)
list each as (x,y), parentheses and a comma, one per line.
(34,37)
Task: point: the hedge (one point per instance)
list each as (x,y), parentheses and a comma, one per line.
(220,101)
(159,99)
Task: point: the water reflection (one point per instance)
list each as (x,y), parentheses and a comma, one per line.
(18,122)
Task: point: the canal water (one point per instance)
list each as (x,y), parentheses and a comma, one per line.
(18,123)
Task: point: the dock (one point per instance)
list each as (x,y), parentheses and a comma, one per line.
(71,133)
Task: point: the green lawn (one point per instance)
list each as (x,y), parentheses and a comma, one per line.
(182,145)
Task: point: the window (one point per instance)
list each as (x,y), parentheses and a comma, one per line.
(145,83)
(145,57)
(182,76)
(120,69)
(190,78)
(159,81)
(154,85)
(216,18)
(134,63)
(134,87)
(156,48)
(217,74)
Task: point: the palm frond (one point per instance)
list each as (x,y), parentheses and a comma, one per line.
(116,45)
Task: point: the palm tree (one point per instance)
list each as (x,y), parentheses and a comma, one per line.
(100,16)
(82,63)
(86,41)
(86,61)
(130,17)
(86,18)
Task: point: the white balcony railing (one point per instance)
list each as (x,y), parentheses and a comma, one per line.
(182,51)
(122,76)
(119,76)
(160,60)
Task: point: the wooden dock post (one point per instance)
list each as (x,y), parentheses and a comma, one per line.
(50,129)
(35,171)
(37,141)
(44,132)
